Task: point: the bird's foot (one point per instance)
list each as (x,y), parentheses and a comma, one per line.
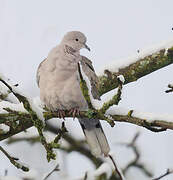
(61,113)
(74,112)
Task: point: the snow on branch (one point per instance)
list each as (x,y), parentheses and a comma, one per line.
(34,114)
(132,68)
(163,55)
(20,112)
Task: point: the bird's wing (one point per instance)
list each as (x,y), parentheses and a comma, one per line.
(92,127)
(39,71)
(90,72)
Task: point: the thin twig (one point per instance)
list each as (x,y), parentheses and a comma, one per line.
(168,172)
(61,132)
(116,168)
(14,160)
(56,168)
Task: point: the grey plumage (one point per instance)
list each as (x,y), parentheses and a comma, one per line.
(58,79)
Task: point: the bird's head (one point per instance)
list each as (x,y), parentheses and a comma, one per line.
(75,40)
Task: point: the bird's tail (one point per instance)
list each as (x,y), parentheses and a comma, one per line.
(95,136)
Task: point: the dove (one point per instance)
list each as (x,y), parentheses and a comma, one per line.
(59,82)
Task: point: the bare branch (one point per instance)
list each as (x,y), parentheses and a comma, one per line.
(14,160)
(116,168)
(56,168)
(168,172)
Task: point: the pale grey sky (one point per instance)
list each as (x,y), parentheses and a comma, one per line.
(115,29)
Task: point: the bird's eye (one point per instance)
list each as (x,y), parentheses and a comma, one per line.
(77,39)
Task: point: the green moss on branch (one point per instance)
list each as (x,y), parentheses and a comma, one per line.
(133,72)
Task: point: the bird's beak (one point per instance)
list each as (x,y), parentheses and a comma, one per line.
(87,47)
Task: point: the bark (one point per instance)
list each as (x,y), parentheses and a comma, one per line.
(135,71)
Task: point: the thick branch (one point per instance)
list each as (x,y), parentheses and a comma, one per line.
(155,125)
(25,121)
(133,72)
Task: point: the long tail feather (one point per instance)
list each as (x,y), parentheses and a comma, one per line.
(95,137)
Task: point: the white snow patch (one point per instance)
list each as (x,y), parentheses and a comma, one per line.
(37,109)
(109,95)
(12,106)
(121,78)
(124,62)
(117,110)
(49,136)
(150,117)
(12,98)
(22,164)
(3,89)
(38,102)
(4,127)
(3,77)
(32,174)
(30,133)
(104,168)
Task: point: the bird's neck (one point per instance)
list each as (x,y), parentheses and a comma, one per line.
(68,50)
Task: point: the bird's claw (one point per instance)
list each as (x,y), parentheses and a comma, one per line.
(74,112)
(61,113)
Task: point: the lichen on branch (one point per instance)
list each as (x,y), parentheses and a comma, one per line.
(136,70)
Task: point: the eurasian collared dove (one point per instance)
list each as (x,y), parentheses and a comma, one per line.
(58,80)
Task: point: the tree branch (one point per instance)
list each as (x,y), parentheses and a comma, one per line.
(115,100)
(136,70)
(14,160)
(25,121)
(56,168)
(168,172)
